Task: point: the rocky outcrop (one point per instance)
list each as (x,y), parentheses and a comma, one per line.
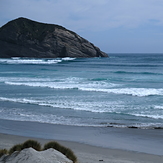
(26,38)
(29,155)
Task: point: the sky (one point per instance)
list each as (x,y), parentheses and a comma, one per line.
(115,26)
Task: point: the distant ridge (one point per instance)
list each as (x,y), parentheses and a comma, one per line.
(23,37)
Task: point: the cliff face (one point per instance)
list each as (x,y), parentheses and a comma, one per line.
(26,38)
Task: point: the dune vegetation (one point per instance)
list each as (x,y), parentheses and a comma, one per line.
(37,146)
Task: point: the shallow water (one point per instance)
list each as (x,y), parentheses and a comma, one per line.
(123,90)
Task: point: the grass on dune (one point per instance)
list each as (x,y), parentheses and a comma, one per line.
(37,146)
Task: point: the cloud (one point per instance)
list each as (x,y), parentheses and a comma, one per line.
(85,14)
(107,23)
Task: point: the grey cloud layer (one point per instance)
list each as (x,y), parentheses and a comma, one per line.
(84,14)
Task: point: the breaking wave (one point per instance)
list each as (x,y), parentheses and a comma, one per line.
(17,60)
(103,107)
(99,86)
(130,91)
(94,107)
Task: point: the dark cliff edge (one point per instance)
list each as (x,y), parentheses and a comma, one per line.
(26,38)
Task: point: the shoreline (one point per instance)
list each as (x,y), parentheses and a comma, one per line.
(90,144)
(87,153)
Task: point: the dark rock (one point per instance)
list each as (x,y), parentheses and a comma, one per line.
(109,126)
(132,127)
(26,38)
(158,128)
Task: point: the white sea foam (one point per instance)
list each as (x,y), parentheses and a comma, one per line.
(129,91)
(95,107)
(159,107)
(52,85)
(96,86)
(68,59)
(29,79)
(16,60)
(69,83)
(98,107)
(105,87)
(24,79)
(20,100)
(28,61)
(28,115)
(156,116)
(25,115)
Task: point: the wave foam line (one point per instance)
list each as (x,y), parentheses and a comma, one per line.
(44,85)
(140,92)
(82,106)
(34,61)
(149,116)
(29,61)
(63,84)
(26,101)
(129,91)
(158,107)
(91,107)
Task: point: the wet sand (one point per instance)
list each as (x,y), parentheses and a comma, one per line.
(90,144)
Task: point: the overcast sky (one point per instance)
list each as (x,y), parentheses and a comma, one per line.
(115,26)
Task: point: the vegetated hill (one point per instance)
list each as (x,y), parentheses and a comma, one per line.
(26,38)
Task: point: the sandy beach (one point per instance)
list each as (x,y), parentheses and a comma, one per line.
(90,144)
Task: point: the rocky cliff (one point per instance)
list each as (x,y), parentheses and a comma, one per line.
(26,38)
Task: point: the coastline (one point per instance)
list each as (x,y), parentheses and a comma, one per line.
(87,153)
(90,144)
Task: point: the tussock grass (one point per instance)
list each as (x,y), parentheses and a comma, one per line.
(17,147)
(27,144)
(66,151)
(54,145)
(32,143)
(3,152)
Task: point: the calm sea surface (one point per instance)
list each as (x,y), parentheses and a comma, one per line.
(123,90)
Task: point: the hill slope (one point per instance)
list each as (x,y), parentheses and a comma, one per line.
(26,38)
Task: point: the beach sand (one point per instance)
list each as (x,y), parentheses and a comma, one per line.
(90,144)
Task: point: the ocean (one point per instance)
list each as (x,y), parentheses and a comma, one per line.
(122,91)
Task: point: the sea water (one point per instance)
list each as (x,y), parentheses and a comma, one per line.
(124,90)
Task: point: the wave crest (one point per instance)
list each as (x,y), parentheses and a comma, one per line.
(17,60)
(98,86)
